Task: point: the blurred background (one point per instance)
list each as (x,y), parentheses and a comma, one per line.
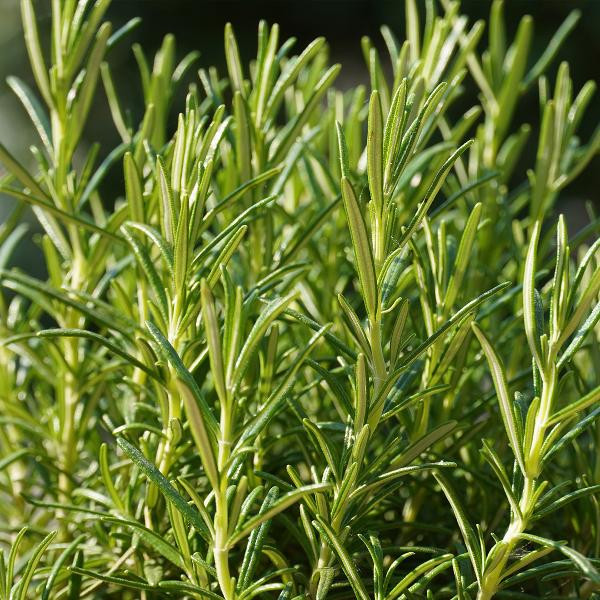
(198,24)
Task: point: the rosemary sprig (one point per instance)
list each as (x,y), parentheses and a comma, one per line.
(319,343)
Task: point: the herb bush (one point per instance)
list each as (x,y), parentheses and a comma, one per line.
(321,344)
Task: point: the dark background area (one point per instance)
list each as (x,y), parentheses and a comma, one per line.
(198,25)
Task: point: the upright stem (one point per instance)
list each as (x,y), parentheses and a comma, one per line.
(70,392)
(379,368)
(169,441)
(379,241)
(221,551)
(379,376)
(492,579)
(549,383)
(519,523)
(221,522)
(61,126)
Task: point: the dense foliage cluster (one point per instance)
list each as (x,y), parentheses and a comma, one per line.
(321,343)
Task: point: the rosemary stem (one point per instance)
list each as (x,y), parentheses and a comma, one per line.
(221,522)
(518,525)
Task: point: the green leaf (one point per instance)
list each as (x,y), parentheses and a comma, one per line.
(307,233)
(526,560)
(256,542)
(497,41)
(362,248)
(232,57)
(588,296)
(355,325)
(428,440)
(231,227)
(88,28)
(200,432)
(361,394)
(321,444)
(466,529)
(123,31)
(545,510)
(546,153)
(515,66)
(397,331)
(455,320)
(272,404)
(410,400)
(157,239)
(559,298)
(551,49)
(413,29)
(168,212)
(551,448)
(88,86)
(185,588)
(345,559)
(107,479)
(41,207)
(13,457)
(133,188)
(34,110)
(342,150)
(213,338)
(74,585)
(374,548)
(531,329)
(462,256)
(504,401)
(264,75)
(134,584)
(144,260)
(423,568)
(12,556)
(31,566)
(580,561)
(59,564)
(182,372)
(393,131)
(290,73)
(494,461)
(288,134)
(8,245)
(19,171)
(275,508)
(270,313)
(393,474)
(573,408)
(330,337)
(346,489)
(113,102)
(32,41)
(90,335)
(151,539)
(169,492)
(579,336)
(423,206)
(375,152)
(31,287)
(225,255)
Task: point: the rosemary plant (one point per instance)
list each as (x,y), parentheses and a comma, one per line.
(318,343)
